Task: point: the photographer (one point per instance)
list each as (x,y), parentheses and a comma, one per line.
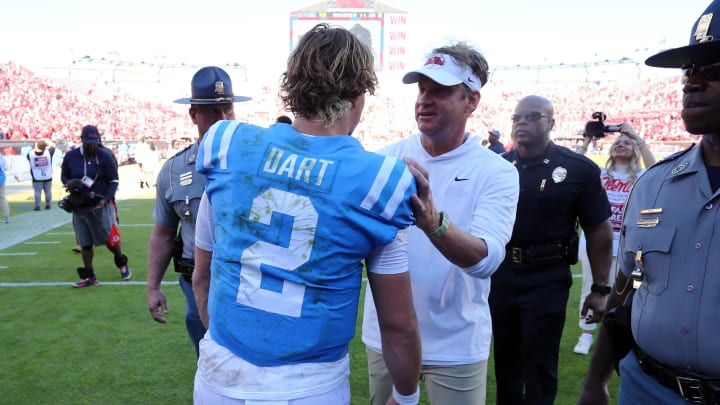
(621,170)
(90,175)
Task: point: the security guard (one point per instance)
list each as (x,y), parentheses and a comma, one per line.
(670,245)
(529,292)
(179,189)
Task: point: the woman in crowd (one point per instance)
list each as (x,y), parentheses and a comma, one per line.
(622,168)
(3,200)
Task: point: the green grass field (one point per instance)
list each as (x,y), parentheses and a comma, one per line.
(99,345)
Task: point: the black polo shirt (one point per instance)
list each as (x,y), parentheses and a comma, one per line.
(556,189)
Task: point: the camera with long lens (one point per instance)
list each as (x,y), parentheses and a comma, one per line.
(598,128)
(79,197)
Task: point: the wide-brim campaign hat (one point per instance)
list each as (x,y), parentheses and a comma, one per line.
(704,46)
(211,85)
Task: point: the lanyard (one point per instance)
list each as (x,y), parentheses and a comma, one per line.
(97,163)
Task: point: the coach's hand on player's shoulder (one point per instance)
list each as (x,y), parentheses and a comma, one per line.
(427,216)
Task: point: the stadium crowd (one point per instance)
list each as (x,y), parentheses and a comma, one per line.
(34,107)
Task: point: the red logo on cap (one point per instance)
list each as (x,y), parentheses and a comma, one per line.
(435,60)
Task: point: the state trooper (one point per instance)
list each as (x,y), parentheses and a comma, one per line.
(179,189)
(668,257)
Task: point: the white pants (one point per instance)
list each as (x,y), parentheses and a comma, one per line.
(4,203)
(202,395)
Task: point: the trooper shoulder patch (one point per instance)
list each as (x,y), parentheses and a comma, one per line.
(186,179)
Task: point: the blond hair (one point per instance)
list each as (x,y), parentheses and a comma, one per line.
(326,73)
(634,166)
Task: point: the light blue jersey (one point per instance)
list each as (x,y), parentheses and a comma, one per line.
(294,216)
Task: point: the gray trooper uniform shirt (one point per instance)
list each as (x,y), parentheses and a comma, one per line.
(181,188)
(673,218)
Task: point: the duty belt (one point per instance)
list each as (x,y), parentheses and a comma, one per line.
(693,388)
(545,254)
(185,267)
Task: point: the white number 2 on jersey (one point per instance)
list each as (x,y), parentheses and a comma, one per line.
(289,300)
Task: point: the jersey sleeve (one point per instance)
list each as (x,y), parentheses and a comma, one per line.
(391,258)
(204,226)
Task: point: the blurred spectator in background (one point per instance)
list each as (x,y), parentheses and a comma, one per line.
(3,199)
(284,119)
(172,149)
(41,171)
(151,162)
(123,152)
(142,157)
(494,141)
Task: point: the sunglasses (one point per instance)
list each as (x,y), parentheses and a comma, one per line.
(708,73)
(529,117)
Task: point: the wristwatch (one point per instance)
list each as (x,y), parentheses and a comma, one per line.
(600,289)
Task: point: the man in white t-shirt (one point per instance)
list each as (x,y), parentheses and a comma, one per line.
(460,238)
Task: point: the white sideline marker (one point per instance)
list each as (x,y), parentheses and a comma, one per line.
(19,254)
(69,283)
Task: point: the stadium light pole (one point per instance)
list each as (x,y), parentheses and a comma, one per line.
(117,65)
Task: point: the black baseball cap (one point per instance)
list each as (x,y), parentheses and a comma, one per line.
(90,135)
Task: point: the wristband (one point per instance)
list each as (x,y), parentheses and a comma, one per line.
(640,144)
(411,399)
(442,228)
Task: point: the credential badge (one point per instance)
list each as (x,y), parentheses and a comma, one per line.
(186,179)
(559,174)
